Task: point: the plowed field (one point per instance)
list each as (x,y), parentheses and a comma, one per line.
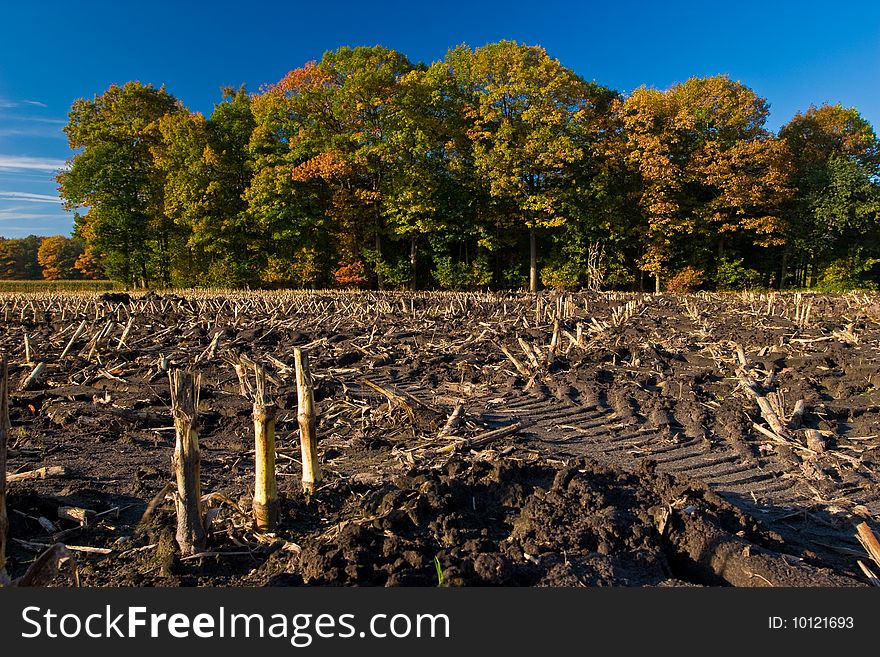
(603,439)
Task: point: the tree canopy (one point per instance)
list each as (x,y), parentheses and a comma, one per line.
(494,167)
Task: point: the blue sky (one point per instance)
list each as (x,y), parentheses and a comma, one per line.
(51,53)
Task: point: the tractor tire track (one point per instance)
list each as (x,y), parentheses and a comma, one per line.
(765,486)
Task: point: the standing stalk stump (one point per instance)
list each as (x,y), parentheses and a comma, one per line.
(265,505)
(311,467)
(186,462)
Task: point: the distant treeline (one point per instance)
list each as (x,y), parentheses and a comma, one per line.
(495,167)
(52,258)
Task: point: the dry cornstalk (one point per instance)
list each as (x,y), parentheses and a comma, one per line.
(767,411)
(76,334)
(34,376)
(125,332)
(39,473)
(554,340)
(90,549)
(46,566)
(453,422)
(868,573)
(311,467)
(265,505)
(815,440)
(869,540)
(797,415)
(244,385)
(847,335)
(186,462)
(528,350)
(483,438)
(211,349)
(522,369)
(489,436)
(393,398)
(4,435)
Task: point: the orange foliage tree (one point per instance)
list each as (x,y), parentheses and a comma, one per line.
(708,169)
(58,256)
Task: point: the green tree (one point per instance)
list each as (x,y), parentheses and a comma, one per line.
(430,191)
(18,258)
(527,115)
(295,187)
(207,168)
(836,159)
(114,176)
(12,259)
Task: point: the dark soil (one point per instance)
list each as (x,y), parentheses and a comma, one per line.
(636,459)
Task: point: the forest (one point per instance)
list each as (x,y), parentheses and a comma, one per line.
(49,258)
(495,168)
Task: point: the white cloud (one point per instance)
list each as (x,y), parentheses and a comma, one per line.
(8,104)
(15,178)
(32,119)
(29,197)
(35,131)
(22,163)
(18,216)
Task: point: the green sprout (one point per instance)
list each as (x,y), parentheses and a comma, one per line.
(439,571)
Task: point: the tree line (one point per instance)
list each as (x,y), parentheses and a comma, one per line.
(495,167)
(51,258)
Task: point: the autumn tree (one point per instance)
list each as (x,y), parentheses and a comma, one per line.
(332,122)
(180,155)
(290,205)
(364,169)
(10,259)
(708,168)
(526,113)
(58,256)
(836,158)
(591,245)
(114,177)
(89,265)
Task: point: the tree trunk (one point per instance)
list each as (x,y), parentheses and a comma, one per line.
(164,262)
(814,272)
(784,269)
(380,282)
(656,283)
(533,262)
(413,256)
